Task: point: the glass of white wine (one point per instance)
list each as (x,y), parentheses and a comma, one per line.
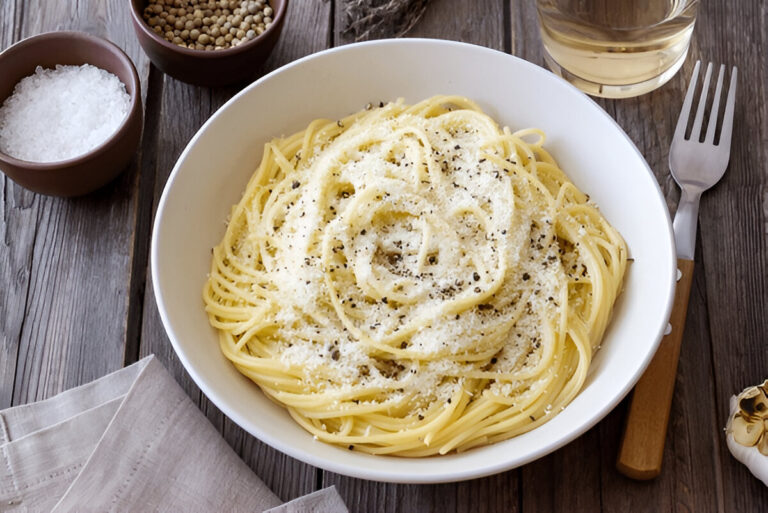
(616,48)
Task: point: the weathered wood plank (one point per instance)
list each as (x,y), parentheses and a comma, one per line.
(17,235)
(177,126)
(67,261)
(653,142)
(15,242)
(690,479)
(306,31)
(480,23)
(732,221)
(569,479)
(494,493)
(150,148)
(690,475)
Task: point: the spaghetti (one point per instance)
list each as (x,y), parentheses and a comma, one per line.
(413,280)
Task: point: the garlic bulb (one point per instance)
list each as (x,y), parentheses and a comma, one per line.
(747,430)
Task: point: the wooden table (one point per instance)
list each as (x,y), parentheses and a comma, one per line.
(76,300)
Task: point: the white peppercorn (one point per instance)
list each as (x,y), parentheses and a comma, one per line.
(208,24)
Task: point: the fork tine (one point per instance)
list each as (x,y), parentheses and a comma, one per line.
(727,130)
(696,129)
(682,121)
(715,107)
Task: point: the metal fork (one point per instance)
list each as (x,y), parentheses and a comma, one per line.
(696,166)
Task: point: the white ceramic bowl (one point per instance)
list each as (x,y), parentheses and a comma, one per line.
(214,168)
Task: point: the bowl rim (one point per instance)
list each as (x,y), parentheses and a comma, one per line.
(450,473)
(122,130)
(141,25)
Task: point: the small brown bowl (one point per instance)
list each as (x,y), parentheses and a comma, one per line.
(87,172)
(206,67)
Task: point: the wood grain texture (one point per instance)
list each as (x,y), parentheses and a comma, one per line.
(642,444)
(691,473)
(568,479)
(177,126)
(482,23)
(59,255)
(690,481)
(306,31)
(17,231)
(732,220)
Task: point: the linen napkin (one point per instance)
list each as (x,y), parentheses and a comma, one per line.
(130,441)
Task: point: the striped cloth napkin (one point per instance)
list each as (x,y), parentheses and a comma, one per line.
(130,441)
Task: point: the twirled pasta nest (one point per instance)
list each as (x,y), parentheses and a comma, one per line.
(413,280)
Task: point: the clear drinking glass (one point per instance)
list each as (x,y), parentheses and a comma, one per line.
(616,48)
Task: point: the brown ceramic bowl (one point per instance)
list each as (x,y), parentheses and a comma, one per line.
(206,67)
(88,172)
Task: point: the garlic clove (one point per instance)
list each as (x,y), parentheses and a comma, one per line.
(746,432)
(762,444)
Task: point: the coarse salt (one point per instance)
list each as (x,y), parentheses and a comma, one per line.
(58,114)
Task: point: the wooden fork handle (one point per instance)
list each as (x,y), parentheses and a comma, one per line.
(642,446)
